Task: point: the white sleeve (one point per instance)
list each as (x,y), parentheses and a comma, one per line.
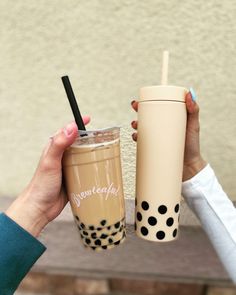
(217,214)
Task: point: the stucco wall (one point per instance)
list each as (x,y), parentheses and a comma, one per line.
(110,49)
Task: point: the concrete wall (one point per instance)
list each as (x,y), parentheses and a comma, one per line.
(111,48)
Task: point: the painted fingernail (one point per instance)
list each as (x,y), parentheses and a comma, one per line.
(69,129)
(132,102)
(132,123)
(193,94)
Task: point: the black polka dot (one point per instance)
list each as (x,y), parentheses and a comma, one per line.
(94,235)
(175,233)
(145,205)
(117,225)
(108,227)
(98,242)
(103,236)
(88,241)
(113,234)
(177,208)
(160,235)
(103,222)
(117,243)
(82,225)
(144,231)
(162,209)
(91,227)
(135,226)
(110,241)
(77,217)
(85,233)
(99,228)
(104,247)
(152,220)
(170,221)
(139,216)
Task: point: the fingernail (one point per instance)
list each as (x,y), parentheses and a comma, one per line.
(193,94)
(132,123)
(132,102)
(69,129)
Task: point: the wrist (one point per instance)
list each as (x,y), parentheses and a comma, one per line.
(193,168)
(27,216)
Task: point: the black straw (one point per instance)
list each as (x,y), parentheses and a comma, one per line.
(73,103)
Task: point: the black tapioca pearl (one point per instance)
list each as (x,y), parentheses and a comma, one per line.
(160,235)
(85,233)
(82,225)
(110,241)
(103,222)
(177,208)
(121,228)
(162,209)
(77,217)
(79,227)
(94,248)
(94,235)
(117,225)
(108,227)
(175,233)
(144,231)
(104,236)
(87,241)
(98,242)
(169,221)
(152,220)
(91,227)
(145,205)
(113,234)
(117,242)
(99,228)
(139,216)
(104,247)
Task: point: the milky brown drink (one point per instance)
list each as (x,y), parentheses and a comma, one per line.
(92,171)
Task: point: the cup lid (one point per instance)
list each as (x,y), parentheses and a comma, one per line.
(163,92)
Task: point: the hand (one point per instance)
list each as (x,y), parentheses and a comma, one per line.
(193,161)
(44,198)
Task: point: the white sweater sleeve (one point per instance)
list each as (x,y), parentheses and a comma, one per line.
(217,214)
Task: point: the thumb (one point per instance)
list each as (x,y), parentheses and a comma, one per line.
(193,113)
(62,140)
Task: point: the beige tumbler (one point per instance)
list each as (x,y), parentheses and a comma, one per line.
(160,153)
(92,171)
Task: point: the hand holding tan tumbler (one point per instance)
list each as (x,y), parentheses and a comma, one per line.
(160,154)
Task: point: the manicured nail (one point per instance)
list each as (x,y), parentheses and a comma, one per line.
(132,123)
(132,102)
(69,129)
(193,94)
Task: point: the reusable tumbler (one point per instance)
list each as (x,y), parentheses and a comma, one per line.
(92,171)
(160,153)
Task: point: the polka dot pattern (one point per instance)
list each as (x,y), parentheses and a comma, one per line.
(156,223)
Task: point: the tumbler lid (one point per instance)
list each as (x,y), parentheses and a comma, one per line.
(163,92)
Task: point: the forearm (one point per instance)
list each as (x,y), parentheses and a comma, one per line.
(27,216)
(216,213)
